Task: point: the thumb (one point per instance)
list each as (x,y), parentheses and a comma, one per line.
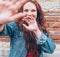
(18,16)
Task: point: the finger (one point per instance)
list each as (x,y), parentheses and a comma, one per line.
(12,9)
(33,19)
(18,16)
(19,3)
(30,20)
(5,3)
(27,21)
(14,1)
(25,26)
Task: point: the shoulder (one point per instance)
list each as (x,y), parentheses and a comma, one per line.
(10,27)
(13,28)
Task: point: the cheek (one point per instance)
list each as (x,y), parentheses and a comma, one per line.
(25,13)
(35,15)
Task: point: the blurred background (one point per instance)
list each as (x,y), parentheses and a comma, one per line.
(51,9)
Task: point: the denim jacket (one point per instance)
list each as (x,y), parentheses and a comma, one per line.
(17,41)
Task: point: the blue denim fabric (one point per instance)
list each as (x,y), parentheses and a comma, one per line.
(17,41)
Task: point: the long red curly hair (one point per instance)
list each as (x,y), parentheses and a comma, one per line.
(29,36)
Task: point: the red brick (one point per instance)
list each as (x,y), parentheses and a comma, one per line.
(57,41)
(54,33)
(53,21)
(51,13)
(52,18)
(55,29)
(4,39)
(55,37)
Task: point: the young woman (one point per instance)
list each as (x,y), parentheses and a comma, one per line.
(28,36)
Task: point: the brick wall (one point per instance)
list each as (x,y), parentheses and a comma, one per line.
(51,10)
(4,46)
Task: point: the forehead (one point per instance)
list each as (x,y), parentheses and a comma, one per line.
(29,5)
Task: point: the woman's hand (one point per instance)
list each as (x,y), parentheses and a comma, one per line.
(32,24)
(17,5)
(8,11)
(12,5)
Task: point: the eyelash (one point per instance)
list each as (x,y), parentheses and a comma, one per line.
(33,10)
(26,10)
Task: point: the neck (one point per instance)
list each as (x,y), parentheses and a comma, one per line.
(1,27)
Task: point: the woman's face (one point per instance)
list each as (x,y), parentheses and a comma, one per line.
(30,10)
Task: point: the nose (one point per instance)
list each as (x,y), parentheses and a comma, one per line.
(29,13)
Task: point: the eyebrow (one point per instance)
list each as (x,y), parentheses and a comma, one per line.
(27,9)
